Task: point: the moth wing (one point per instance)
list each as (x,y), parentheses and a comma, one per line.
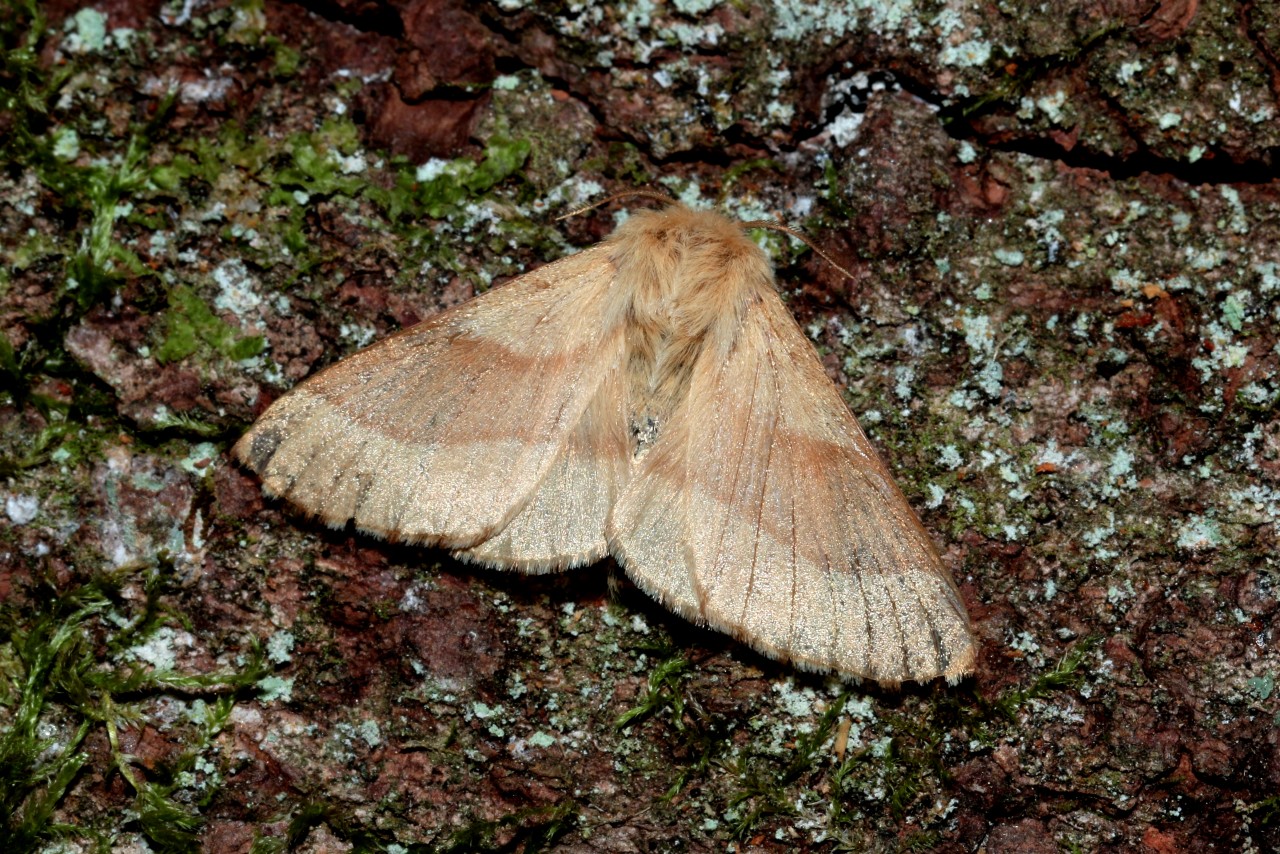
(763,510)
(562,524)
(476,422)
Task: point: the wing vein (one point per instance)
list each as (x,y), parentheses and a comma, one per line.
(764,489)
(902,634)
(795,575)
(866,621)
(725,510)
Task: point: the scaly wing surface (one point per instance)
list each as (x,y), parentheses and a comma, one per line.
(763,510)
(495,428)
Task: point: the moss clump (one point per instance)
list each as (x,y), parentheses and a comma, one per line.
(66,669)
(440,188)
(189,322)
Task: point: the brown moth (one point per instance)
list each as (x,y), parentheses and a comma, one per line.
(650,398)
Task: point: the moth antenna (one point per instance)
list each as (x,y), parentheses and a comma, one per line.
(777,226)
(625,194)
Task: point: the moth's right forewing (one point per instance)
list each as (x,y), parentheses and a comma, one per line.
(790,530)
(444,432)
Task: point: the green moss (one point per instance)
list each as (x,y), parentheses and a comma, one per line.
(503,157)
(765,781)
(317,166)
(37,450)
(287,59)
(29,87)
(188,323)
(737,170)
(33,776)
(65,668)
(1066,675)
(664,693)
(440,188)
(534,829)
(92,183)
(703,738)
(101,193)
(208,158)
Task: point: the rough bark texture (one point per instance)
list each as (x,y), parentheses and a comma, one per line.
(1063,331)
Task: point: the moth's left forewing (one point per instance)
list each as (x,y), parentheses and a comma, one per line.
(477,420)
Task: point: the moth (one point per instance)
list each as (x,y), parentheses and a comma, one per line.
(650,399)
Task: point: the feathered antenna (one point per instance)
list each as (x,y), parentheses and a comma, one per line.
(777,226)
(625,194)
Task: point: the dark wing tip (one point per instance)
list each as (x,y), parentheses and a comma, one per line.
(256,448)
